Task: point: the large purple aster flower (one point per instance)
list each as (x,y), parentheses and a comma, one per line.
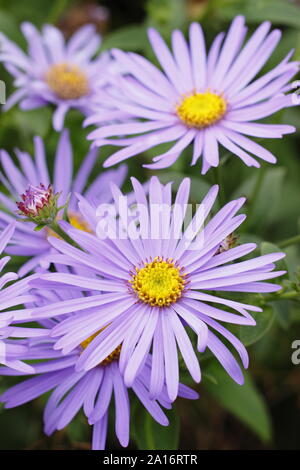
(64,74)
(91,390)
(144,286)
(204,99)
(12,296)
(32,178)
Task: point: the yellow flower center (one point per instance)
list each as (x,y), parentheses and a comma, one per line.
(78,222)
(159,283)
(112,356)
(67,81)
(201,109)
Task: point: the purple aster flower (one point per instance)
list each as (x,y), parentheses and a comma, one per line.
(32,173)
(202,98)
(64,74)
(12,296)
(91,390)
(145,290)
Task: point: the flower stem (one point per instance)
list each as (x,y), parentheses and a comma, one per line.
(294,294)
(252,198)
(218,178)
(289,241)
(257,186)
(290,295)
(61,234)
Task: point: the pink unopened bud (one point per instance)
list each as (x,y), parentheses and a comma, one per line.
(34,199)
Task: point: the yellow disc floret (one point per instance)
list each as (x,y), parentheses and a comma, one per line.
(201,109)
(67,81)
(78,222)
(111,357)
(159,283)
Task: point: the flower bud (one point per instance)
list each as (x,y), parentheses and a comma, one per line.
(39,204)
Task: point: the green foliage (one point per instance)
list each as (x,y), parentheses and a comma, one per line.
(148,434)
(199,186)
(131,38)
(261,213)
(244,402)
(167,14)
(8,25)
(279,12)
(267,248)
(78,429)
(264,320)
(283,313)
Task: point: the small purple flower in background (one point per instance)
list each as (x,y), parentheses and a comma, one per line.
(12,296)
(142,291)
(35,174)
(64,74)
(91,390)
(208,99)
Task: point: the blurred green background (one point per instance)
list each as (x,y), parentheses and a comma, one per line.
(265,412)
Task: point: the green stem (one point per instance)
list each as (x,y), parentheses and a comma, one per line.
(218,178)
(61,234)
(289,241)
(220,174)
(290,295)
(284,296)
(252,198)
(257,186)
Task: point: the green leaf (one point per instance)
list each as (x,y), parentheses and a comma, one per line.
(166,15)
(33,122)
(57,9)
(209,378)
(150,435)
(295,315)
(133,38)
(199,187)
(77,428)
(244,402)
(293,261)
(256,11)
(267,248)
(283,311)
(264,210)
(8,25)
(264,320)
(23,11)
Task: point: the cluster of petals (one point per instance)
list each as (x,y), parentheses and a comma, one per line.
(109,310)
(92,391)
(69,63)
(151,96)
(34,171)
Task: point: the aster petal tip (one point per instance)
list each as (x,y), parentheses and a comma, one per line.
(107,163)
